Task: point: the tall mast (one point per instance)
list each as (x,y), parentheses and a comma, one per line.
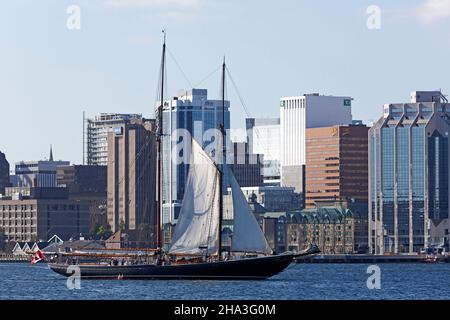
(159,135)
(224,163)
(84,137)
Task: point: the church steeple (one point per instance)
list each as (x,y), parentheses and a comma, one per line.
(51,153)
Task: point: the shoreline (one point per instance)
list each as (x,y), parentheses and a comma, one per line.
(352,259)
(9,258)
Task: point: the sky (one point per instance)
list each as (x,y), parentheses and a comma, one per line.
(51,70)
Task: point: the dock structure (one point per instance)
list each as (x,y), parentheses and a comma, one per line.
(338,258)
(10,258)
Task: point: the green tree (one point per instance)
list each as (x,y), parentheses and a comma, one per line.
(104,232)
(122,225)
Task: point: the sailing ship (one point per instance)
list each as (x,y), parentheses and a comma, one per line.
(196,251)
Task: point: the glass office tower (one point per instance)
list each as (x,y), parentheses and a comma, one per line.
(190,110)
(408,175)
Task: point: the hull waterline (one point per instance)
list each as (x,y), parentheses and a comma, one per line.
(245,269)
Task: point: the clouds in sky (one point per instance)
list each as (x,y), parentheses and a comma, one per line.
(127,3)
(172,10)
(432,11)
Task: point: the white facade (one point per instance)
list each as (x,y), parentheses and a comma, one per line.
(307,111)
(97,130)
(264,138)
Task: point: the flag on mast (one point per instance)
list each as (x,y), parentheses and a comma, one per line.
(37,257)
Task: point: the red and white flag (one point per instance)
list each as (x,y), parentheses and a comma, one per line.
(38,256)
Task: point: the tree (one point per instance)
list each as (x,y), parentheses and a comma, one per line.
(99,232)
(104,232)
(122,225)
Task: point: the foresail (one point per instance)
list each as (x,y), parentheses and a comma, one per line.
(247,234)
(198,222)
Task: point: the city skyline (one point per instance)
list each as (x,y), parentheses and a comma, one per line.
(53,74)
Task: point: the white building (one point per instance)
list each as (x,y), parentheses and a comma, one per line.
(299,113)
(263,136)
(97,135)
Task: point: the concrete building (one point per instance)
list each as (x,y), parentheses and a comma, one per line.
(97,130)
(332,229)
(336,164)
(131,204)
(296,115)
(409,175)
(263,136)
(190,111)
(269,227)
(275,199)
(41,174)
(246,166)
(274,225)
(87,183)
(4,173)
(36,214)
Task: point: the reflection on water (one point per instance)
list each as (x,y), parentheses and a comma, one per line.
(299,282)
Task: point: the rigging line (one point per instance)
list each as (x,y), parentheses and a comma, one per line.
(211,215)
(179,67)
(243,104)
(208,76)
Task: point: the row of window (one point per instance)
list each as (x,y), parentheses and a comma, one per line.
(22,208)
(11,223)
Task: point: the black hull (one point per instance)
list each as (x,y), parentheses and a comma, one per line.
(245,269)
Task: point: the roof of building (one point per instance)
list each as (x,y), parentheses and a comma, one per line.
(331,214)
(257,208)
(276,215)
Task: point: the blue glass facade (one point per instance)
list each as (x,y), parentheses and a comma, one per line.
(418,184)
(196,114)
(438,182)
(403,179)
(408,172)
(387,184)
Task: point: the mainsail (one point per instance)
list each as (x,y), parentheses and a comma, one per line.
(247,234)
(197,229)
(198,223)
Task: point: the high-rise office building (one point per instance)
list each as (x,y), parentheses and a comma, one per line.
(97,130)
(246,166)
(263,136)
(131,203)
(4,173)
(336,164)
(409,175)
(40,174)
(296,115)
(191,112)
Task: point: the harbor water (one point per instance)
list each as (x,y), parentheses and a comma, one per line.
(20,281)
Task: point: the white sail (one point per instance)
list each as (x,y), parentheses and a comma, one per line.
(198,223)
(247,234)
